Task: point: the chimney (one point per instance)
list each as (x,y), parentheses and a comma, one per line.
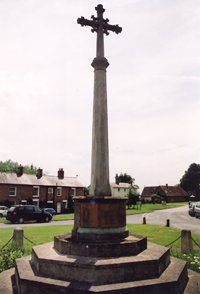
(39,173)
(61,173)
(20,170)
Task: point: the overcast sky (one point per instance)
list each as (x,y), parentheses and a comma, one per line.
(153,84)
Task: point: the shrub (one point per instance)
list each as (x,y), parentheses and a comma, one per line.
(8,256)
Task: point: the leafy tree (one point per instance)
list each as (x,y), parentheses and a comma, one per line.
(86,191)
(133,197)
(10,166)
(190,181)
(124,178)
(30,169)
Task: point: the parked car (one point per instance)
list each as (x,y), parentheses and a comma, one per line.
(3,211)
(197,209)
(191,210)
(50,210)
(21,213)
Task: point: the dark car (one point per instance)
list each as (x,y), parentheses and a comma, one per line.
(50,210)
(21,213)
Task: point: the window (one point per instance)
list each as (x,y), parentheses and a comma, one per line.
(59,191)
(36,190)
(73,192)
(50,190)
(37,209)
(29,209)
(12,191)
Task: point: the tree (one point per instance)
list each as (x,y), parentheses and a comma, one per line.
(10,166)
(124,178)
(133,197)
(190,181)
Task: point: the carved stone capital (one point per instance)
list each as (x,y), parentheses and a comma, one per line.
(100,63)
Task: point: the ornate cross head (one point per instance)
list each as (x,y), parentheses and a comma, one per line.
(99,23)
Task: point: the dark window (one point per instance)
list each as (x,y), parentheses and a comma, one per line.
(12,191)
(29,208)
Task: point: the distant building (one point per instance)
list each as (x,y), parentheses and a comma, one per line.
(120,190)
(41,190)
(165,192)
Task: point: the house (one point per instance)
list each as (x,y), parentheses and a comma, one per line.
(41,190)
(166,193)
(120,190)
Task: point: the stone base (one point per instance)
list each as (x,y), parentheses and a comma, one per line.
(151,271)
(7,283)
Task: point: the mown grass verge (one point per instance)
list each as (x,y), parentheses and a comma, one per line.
(156,234)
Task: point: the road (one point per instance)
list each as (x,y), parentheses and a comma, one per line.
(178,218)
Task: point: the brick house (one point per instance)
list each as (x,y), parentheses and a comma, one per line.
(41,190)
(166,193)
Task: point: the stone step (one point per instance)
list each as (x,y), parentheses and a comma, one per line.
(172,281)
(148,264)
(132,245)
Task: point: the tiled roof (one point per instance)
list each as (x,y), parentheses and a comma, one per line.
(45,180)
(172,191)
(149,191)
(164,190)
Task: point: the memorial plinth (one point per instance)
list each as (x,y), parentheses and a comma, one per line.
(99,219)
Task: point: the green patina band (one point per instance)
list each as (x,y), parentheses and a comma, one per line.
(102,230)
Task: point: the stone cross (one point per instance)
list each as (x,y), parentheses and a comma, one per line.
(100,186)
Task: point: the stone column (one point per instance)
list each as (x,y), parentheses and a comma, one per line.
(100,185)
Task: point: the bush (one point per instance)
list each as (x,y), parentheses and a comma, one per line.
(8,256)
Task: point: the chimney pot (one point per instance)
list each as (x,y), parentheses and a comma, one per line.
(61,173)
(39,173)
(20,170)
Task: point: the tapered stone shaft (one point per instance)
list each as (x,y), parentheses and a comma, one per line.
(100,185)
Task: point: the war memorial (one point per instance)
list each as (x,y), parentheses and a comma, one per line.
(100,256)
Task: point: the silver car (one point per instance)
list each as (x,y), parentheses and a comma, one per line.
(197,209)
(3,211)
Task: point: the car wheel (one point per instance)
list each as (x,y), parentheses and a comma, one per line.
(1,215)
(20,220)
(47,219)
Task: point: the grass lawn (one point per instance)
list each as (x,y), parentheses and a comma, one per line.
(156,234)
(149,207)
(38,235)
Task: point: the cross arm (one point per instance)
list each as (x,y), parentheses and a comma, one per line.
(114,28)
(85,22)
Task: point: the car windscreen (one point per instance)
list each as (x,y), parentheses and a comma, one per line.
(12,208)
